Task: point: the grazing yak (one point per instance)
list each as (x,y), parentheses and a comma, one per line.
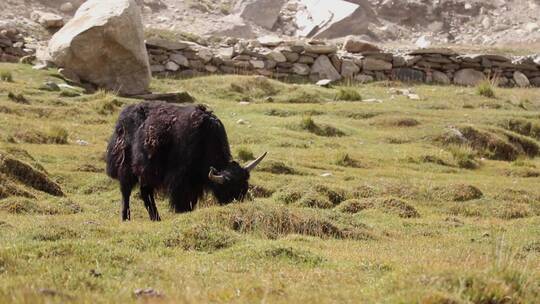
(182,151)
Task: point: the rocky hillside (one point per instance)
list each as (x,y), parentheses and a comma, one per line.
(419,22)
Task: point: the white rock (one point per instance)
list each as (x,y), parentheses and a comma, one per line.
(257,64)
(532,27)
(66,7)
(423,42)
(301,69)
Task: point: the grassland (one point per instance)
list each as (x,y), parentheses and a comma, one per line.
(398,201)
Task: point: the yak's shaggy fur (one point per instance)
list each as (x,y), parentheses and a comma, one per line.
(170,148)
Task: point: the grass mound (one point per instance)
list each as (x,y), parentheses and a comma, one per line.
(510,211)
(457,193)
(492,143)
(397,122)
(292,255)
(27,175)
(22,205)
(388,205)
(355,206)
(55,135)
(272,221)
(316,196)
(523,126)
(308,124)
(277,167)
(203,237)
(244,154)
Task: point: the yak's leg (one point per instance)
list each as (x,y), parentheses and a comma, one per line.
(147,195)
(126,189)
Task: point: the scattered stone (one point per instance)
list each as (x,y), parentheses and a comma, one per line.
(521,80)
(263,13)
(270,41)
(105,25)
(48,20)
(276,56)
(327,174)
(81,142)
(468,77)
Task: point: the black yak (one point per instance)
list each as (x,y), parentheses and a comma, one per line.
(183,151)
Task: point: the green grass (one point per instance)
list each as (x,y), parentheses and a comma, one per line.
(6,76)
(399,208)
(486,89)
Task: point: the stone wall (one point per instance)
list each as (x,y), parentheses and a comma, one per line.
(13,46)
(356,60)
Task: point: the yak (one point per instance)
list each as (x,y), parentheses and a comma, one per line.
(182,151)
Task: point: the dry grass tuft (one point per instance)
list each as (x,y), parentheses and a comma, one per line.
(308,124)
(202,237)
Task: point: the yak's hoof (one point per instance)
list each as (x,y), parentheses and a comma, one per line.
(126,216)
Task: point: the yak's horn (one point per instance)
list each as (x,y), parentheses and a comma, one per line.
(218,179)
(254,163)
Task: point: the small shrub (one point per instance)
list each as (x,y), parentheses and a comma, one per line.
(348,94)
(18,98)
(58,135)
(486,89)
(345,160)
(244,154)
(288,195)
(308,124)
(6,76)
(464,157)
(510,211)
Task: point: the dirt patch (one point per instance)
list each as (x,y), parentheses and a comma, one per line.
(203,237)
(457,193)
(492,143)
(27,175)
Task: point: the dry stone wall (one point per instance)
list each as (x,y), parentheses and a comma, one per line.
(357,61)
(13,46)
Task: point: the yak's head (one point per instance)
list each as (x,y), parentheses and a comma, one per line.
(231,183)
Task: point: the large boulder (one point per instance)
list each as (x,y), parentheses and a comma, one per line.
(468,77)
(104,45)
(263,13)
